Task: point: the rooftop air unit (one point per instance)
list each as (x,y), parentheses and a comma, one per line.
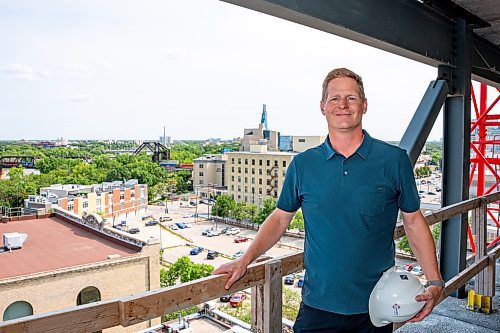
(14,240)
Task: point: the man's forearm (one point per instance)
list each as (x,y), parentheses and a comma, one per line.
(423,246)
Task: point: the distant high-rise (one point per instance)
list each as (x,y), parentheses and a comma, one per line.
(263,118)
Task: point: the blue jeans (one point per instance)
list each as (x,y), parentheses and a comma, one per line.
(312,320)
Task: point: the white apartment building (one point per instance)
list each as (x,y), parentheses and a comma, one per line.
(303,143)
(256,175)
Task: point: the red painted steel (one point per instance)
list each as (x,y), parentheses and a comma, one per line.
(483,150)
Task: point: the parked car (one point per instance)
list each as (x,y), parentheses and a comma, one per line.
(290,279)
(195,250)
(187,225)
(173,226)
(151,223)
(165,218)
(133,231)
(238,254)
(407,267)
(188,215)
(224,230)
(300,283)
(206,231)
(212,255)
(417,270)
(180,225)
(237,299)
(118,226)
(161,203)
(233,231)
(225,298)
(192,203)
(241,239)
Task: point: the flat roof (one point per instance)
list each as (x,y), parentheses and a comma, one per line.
(53,244)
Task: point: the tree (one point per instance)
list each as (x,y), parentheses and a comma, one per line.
(297,221)
(184,270)
(224,206)
(404,243)
(269,205)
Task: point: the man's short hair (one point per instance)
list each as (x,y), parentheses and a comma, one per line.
(341,73)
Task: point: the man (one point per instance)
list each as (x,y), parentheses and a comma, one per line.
(350,190)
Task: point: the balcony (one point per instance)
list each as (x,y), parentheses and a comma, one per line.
(265,279)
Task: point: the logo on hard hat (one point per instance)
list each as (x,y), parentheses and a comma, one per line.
(396,309)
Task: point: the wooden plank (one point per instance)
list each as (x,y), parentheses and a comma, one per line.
(257,308)
(152,304)
(90,317)
(479,216)
(273,297)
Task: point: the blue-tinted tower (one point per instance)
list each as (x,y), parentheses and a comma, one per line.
(263,119)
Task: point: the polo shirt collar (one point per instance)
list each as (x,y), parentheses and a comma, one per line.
(362,150)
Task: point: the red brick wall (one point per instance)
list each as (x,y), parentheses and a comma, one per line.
(63,203)
(76,203)
(106,203)
(116,199)
(128,197)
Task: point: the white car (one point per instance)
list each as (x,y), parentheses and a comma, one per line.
(233,231)
(187,225)
(173,227)
(417,270)
(188,215)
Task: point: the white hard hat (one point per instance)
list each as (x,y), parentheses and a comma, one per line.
(393,298)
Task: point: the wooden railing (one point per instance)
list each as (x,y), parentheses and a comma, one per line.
(264,278)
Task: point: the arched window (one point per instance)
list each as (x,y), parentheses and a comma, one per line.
(17,310)
(88,295)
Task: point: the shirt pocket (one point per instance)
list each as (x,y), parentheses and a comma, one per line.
(371,200)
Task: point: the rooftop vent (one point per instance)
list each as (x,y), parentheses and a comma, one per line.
(14,240)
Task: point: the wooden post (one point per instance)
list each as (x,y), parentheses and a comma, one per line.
(257,306)
(273,297)
(479,225)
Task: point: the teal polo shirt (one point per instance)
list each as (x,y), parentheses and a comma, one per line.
(350,206)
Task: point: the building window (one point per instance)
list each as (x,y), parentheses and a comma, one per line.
(275,193)
(260,181)
(246,189)
(260,172)
(268,162)
(253,180)
(17,310)
(284,173)
(246,198)
(232,169)
(239,160)
(239,169)
(202,181)
(260,191)
(284,164)
(239,188)
(88,295)
(232,187)
(200,174)
(122,205)
(246,161)
(246,171)
(71,205)
(85,204)
(253,171)
(239,197)
(122,196)
(246,180)
(232,160)
(232,178)
(275,163)
(253,161)
(201,166)
(302,140)
(239,179)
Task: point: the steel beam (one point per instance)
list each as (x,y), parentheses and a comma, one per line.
(406,27)
(456,159)
(424,118)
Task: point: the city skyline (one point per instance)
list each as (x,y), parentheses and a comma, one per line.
(93,70)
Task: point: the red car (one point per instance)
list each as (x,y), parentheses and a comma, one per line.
(237,299)
(241,239)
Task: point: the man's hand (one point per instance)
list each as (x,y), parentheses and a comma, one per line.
(236,270)
(431,297)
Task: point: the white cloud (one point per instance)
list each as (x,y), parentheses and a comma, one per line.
(175,55)
(18,71)
(81,98)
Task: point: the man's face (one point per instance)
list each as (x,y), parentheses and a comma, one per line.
(343,106)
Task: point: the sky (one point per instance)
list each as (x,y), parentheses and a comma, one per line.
(124,69)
